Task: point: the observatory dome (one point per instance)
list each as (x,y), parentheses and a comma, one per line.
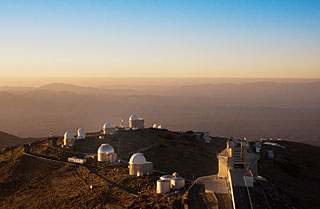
(106,125)
(105,148)
(155,126)
(69,135)
(137,158)
(81,132)
(133,117)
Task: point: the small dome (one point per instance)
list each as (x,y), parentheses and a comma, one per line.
(69,135)
(81,132)
(106,125)
(105,148)
(133,117)
(160,126)
(137,158)
(155,126)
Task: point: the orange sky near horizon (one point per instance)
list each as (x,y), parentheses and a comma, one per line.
(262,39)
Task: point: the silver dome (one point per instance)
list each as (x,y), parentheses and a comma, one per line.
(105,148)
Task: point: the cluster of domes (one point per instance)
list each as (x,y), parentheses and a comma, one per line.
(156,126)
(69,137)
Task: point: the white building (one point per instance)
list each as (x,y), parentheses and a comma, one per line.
(106,153)
(236,156)
(163,186)
(177,183)
(138,165)
(160,126)
(68,139)
(81,133)
(77,160)
(107,129)
(136,122)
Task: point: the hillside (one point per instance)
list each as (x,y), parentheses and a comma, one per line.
(8,140)
(292,174)
(295,171)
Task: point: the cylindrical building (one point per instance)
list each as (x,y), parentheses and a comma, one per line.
(138,165)
(68,139)
(106,153)
(163,186)
(177,183)
(135,122)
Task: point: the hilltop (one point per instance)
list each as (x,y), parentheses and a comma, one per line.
(292,174)
(52,183)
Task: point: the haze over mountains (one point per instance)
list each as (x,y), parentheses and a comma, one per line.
(253,110)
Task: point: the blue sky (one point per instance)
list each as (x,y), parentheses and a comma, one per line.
(160,38)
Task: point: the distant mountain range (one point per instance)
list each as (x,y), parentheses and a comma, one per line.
(253,110)
(86,90)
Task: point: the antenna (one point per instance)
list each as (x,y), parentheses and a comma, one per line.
(122,125)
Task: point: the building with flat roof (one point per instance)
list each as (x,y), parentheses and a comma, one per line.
(237,156)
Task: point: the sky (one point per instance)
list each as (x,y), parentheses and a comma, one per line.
(160,38)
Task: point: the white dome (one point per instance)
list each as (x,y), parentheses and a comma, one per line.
(81,132)
(137,158)
(155,126)
(105,148)
(69,135)
(160,127)
(106,125)
(133,117)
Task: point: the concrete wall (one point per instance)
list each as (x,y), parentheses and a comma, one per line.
(223,168)
(141,169)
